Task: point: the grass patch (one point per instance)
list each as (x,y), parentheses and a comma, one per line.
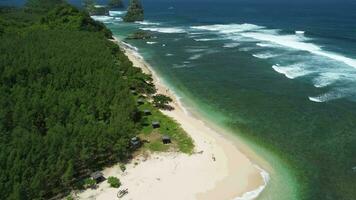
(180,139)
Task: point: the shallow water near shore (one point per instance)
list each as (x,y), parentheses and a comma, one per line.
(285,88)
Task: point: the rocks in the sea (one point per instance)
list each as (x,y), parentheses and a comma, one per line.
(139,35)
(114,4)
(134,12)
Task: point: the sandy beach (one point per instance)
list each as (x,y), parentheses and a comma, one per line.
(217,169)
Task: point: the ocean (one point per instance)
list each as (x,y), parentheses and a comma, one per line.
(280,75)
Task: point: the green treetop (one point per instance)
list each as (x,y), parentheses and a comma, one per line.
(134,12)
(43,5)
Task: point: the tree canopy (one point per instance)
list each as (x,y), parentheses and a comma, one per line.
(66,108)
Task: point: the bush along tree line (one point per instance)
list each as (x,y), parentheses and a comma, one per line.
(66,106)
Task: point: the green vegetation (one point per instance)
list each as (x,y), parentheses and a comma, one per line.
(116,4)
(93,9)
(42,5)
(180,140)
(122,167)
(89,183)
(114,182)
(162,101)
(66,105)
(139,35)
(134,12)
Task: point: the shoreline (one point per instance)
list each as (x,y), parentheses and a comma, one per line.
(219,168)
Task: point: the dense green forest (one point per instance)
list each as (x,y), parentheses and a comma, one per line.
(66,106)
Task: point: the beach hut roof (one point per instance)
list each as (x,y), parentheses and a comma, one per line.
(166,137)
(155,123)
(96,175)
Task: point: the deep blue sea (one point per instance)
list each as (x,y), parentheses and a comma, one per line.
(281,74)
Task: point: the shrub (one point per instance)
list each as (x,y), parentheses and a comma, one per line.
(162,101)
(114,182)
(122,167)
(88,182)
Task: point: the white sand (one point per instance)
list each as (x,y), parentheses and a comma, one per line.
(176,176)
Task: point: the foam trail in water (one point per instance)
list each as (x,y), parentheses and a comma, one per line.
(328,97)
(114,13)
(165,30)
(264,55)
(195,57)
(206,39)
(295,42)
(147,23)
(101,18)
(255,193)
(231,45)
(292,71)
(325,79)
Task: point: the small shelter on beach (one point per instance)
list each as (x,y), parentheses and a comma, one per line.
(147,112)
(133,92)
(140,101)
(97,176)
(135,142)
(166,139)
(155,124)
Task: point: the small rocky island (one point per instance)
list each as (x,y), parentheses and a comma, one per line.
(134,12)
(116,4)
(139,35)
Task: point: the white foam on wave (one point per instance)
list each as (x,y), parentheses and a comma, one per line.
(195,50)
(266,45)
(102,18)
(195,57)
(265,55)
(147,23)
(295,42)
(325,79)
(260,33)
(114,13)
(151,42)
(292,71)
(206,39)
(299,32)
(255,193)
(231,45)
(106,19)
(333,95)
(184,65)
(169,54)
(247,49)
(165,30)
(229,28)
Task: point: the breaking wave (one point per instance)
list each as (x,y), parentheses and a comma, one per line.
(292,71)
(164,30)
(148,23)
(231,45)
(114,13)
(255,193)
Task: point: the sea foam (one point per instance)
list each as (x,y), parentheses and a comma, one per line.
(147,23)
(165,30)
(292,71)
(114,13)
(255,193)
